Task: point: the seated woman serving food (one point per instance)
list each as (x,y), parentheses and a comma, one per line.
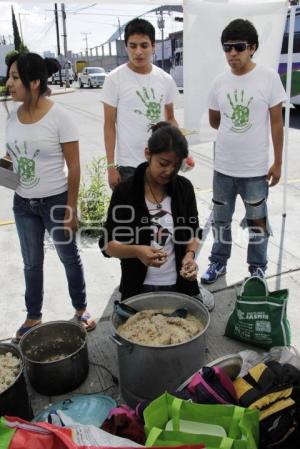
(152,222)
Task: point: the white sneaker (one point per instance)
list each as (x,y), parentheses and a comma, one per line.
(207,298)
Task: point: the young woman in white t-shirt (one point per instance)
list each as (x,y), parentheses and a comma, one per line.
(40,140)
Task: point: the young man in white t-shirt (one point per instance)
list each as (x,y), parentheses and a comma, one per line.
(135,95)
(242,103)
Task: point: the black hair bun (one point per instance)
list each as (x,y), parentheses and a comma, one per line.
(52,65)
(155,126)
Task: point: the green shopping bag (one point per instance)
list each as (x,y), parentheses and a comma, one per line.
(240,424)
(6,435)
(259,316)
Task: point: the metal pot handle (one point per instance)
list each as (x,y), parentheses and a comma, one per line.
(116,339)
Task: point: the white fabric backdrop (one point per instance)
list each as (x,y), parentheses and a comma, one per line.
(204,21)
(110,2)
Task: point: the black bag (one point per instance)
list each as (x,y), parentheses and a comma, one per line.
(269,387)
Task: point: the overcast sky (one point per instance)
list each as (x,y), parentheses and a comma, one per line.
(98,20)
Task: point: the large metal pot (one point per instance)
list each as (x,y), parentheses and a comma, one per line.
(14,400)
(147,371)
(64,340)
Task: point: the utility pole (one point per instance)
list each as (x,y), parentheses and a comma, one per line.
(119,45)
(63,13)
(57,40)
(86,44)
(20,23)
(161,26)
(21,27)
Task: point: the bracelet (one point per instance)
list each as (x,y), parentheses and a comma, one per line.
(191,251)
(111,165)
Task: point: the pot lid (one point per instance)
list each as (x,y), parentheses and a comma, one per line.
(87,409)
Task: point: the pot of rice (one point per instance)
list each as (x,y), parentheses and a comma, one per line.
(14,399)
(155,352)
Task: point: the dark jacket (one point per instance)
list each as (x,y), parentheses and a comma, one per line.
(130,223)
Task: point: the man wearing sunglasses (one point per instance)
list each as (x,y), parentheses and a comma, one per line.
(242,103)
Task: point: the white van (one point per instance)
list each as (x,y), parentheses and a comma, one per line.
(66,69)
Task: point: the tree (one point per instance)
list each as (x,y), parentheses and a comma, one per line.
(17,40)
(9,55)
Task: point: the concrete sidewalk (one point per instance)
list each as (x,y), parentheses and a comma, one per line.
(102,277)
(102,274)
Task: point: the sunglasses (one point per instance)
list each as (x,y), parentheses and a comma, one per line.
(237,46)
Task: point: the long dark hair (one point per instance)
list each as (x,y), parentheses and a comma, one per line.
(166,137)
(31,67)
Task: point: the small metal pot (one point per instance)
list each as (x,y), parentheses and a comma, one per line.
(64,340)
(14,400)
(147,371)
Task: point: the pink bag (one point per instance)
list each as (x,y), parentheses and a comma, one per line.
(211,385)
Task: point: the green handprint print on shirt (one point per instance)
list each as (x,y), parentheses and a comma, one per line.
(25,165)
(153,108)
(240,112)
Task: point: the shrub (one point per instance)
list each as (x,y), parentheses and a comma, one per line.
(94,198)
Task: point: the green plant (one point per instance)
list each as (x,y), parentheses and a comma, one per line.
(2,90)
(10,54)
(93,198)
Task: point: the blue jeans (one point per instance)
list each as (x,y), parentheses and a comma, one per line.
(33,217)
(254,193)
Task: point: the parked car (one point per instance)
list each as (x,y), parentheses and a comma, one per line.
(91,77)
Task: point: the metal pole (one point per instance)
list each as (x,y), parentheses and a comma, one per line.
(21,27)
(118,46)
(161,26)
(57,40)
(286,138)
(288,104)
(63,13)
(86,45)
(162,47)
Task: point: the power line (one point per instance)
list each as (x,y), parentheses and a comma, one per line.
(44,33)
(81,9)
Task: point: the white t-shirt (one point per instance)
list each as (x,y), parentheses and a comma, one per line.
(162,226)
(36,152)
(140,100)
(242,145)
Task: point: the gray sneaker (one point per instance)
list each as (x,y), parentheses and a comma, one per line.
(207,298)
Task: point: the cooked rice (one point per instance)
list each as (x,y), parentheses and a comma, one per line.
(150,327)
(9,370)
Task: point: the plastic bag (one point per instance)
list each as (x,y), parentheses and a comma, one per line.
(240,424)
(259,316)
(281,354)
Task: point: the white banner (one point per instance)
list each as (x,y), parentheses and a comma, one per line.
(204,22)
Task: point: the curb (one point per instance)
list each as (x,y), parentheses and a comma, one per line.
(69,90)
(54,92)
(8,222)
